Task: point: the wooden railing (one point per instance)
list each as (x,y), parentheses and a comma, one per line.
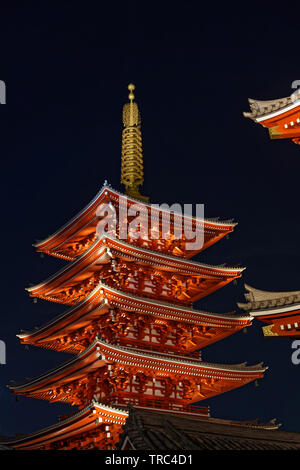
(156,404)
(160,405)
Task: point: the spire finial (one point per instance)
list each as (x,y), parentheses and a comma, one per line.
(131,88)
(132,174)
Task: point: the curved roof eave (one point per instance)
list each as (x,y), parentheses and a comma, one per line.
(68,312)
(239,368)
(106,186)
(178,260)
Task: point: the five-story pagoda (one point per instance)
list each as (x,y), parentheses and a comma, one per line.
(130,324)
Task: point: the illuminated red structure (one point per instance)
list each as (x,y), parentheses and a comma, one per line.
(130,324)
(279,310)
(280,116)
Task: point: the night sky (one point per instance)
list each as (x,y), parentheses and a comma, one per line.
(66,69)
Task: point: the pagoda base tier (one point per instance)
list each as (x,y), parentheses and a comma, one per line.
(95,427)
(103,428)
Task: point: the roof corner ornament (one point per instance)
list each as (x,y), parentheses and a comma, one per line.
(280,116)
(132,172)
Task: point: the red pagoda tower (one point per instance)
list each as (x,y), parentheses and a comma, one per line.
(130,324)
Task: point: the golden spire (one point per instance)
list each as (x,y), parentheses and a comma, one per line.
(132,174)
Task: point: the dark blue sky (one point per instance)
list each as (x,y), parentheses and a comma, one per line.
(66,68)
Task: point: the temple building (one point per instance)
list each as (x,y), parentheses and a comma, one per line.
(279,310)
(145,430)
(130,327)
(280,116)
